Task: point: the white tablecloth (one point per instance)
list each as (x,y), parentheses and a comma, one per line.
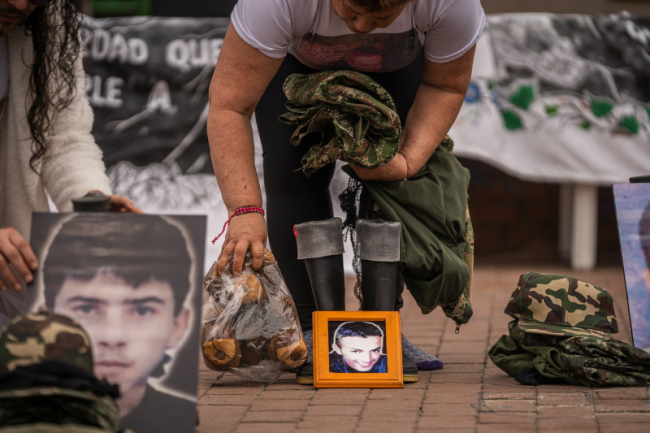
(552,100)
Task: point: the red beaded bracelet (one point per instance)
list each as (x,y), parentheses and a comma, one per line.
(239,211)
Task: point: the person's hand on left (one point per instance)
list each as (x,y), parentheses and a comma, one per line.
(15,250)
(123,205)
(396,169)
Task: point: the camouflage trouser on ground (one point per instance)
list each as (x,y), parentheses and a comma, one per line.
(461,310)
(590,360)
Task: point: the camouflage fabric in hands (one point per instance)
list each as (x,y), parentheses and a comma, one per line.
(561,306)
(562,328)
(355,116)
(36,338)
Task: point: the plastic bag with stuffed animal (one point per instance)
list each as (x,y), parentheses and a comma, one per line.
(250,322)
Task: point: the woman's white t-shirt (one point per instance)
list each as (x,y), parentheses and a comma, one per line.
(312,32)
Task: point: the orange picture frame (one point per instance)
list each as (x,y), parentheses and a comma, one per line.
(323,378)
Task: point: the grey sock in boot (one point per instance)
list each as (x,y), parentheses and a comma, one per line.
(320,245)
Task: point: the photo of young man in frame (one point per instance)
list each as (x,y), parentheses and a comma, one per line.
(133,283)
(357,347)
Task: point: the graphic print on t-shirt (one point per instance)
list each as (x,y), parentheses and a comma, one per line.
(374,52)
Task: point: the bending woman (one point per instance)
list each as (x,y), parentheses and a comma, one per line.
(420,51)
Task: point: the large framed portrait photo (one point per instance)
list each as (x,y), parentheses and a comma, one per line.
(133,282)
(357,349)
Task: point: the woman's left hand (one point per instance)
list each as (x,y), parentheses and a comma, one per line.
(124,205)
(396,169)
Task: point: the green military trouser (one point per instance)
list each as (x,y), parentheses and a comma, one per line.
(461,310)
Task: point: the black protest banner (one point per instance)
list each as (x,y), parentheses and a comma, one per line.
(147,80)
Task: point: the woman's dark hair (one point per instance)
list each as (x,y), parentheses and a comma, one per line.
(54,29)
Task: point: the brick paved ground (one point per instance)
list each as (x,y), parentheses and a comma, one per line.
(469,395)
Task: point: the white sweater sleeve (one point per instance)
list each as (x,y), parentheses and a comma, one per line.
(72,165)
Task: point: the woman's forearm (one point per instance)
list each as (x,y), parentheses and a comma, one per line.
(435,108)
(233,158)
(429,120)
(239,81)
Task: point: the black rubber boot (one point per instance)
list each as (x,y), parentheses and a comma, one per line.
(379,285)
(378,247)
(399,302)
(327,282)
(320,245)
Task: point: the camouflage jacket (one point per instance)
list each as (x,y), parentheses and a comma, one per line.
(562,328)
(355,116)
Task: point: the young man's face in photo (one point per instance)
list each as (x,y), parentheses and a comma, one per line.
(359,353)
(130,327)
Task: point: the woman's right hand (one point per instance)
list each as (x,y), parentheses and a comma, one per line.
(15,250)
(245,232)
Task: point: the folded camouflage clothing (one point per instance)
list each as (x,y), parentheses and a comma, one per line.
(355,116)
(562,331)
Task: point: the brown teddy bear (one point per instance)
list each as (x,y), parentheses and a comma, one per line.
(243,300)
